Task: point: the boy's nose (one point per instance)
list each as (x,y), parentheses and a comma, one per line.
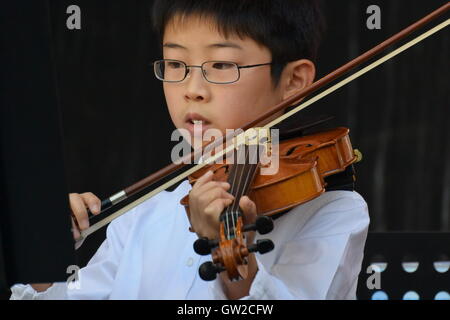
(196,85)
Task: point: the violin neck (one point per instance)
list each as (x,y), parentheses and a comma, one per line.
(240,177)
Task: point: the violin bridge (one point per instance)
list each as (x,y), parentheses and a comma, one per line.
(253,136)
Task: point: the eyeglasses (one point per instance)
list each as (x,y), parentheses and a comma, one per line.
(219,72)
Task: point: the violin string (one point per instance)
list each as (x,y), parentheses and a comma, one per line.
(85,233)
(241,185)
(235,190)
(244,183)
(235,186)
(248,168)
(235,204)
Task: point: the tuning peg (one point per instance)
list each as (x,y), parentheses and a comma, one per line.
(261,246)
(208,271)
(263,225)
(203,246)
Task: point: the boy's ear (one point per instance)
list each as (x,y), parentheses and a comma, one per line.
(296,76)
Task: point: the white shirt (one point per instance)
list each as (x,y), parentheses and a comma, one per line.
(148,254)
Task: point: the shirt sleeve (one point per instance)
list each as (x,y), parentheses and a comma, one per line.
(322,261)
(26,292)
(95,280)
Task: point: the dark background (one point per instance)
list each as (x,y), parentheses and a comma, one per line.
(116,129)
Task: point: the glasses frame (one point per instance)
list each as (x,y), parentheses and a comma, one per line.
(187,69)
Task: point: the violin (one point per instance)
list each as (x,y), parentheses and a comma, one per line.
(304,161)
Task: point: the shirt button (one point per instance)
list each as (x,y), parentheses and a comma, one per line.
(190,262)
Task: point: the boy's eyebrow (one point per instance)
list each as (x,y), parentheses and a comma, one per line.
(211,46)
(173,46)
(225,45)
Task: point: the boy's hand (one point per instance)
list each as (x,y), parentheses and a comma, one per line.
(78,205)
(207,200)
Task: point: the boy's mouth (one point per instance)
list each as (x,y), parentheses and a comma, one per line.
(194,120)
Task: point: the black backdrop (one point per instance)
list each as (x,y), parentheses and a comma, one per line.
(117,129)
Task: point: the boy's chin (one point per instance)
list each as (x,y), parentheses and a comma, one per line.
(197,143)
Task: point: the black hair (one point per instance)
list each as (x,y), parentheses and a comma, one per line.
(290,29)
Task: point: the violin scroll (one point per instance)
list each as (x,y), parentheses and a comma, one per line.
(237,254)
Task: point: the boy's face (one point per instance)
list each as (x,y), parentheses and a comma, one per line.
(220,106)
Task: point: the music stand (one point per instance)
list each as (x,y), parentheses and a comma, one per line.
(413,265)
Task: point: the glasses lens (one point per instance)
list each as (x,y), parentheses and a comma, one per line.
(220,72)
(170,70)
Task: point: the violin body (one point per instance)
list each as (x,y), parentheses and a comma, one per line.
(333,149)
(304,162)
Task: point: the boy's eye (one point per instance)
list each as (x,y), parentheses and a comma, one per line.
(222,65)
(174,64)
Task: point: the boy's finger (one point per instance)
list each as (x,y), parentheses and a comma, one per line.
(211,185)
(211,195)
(79,210)
(76,233)
(217,206)
(249,209)
(92,201)
(204,178)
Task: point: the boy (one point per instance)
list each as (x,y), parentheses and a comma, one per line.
(229,61)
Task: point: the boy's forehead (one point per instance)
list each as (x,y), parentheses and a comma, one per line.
(179,26)
(205,30)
